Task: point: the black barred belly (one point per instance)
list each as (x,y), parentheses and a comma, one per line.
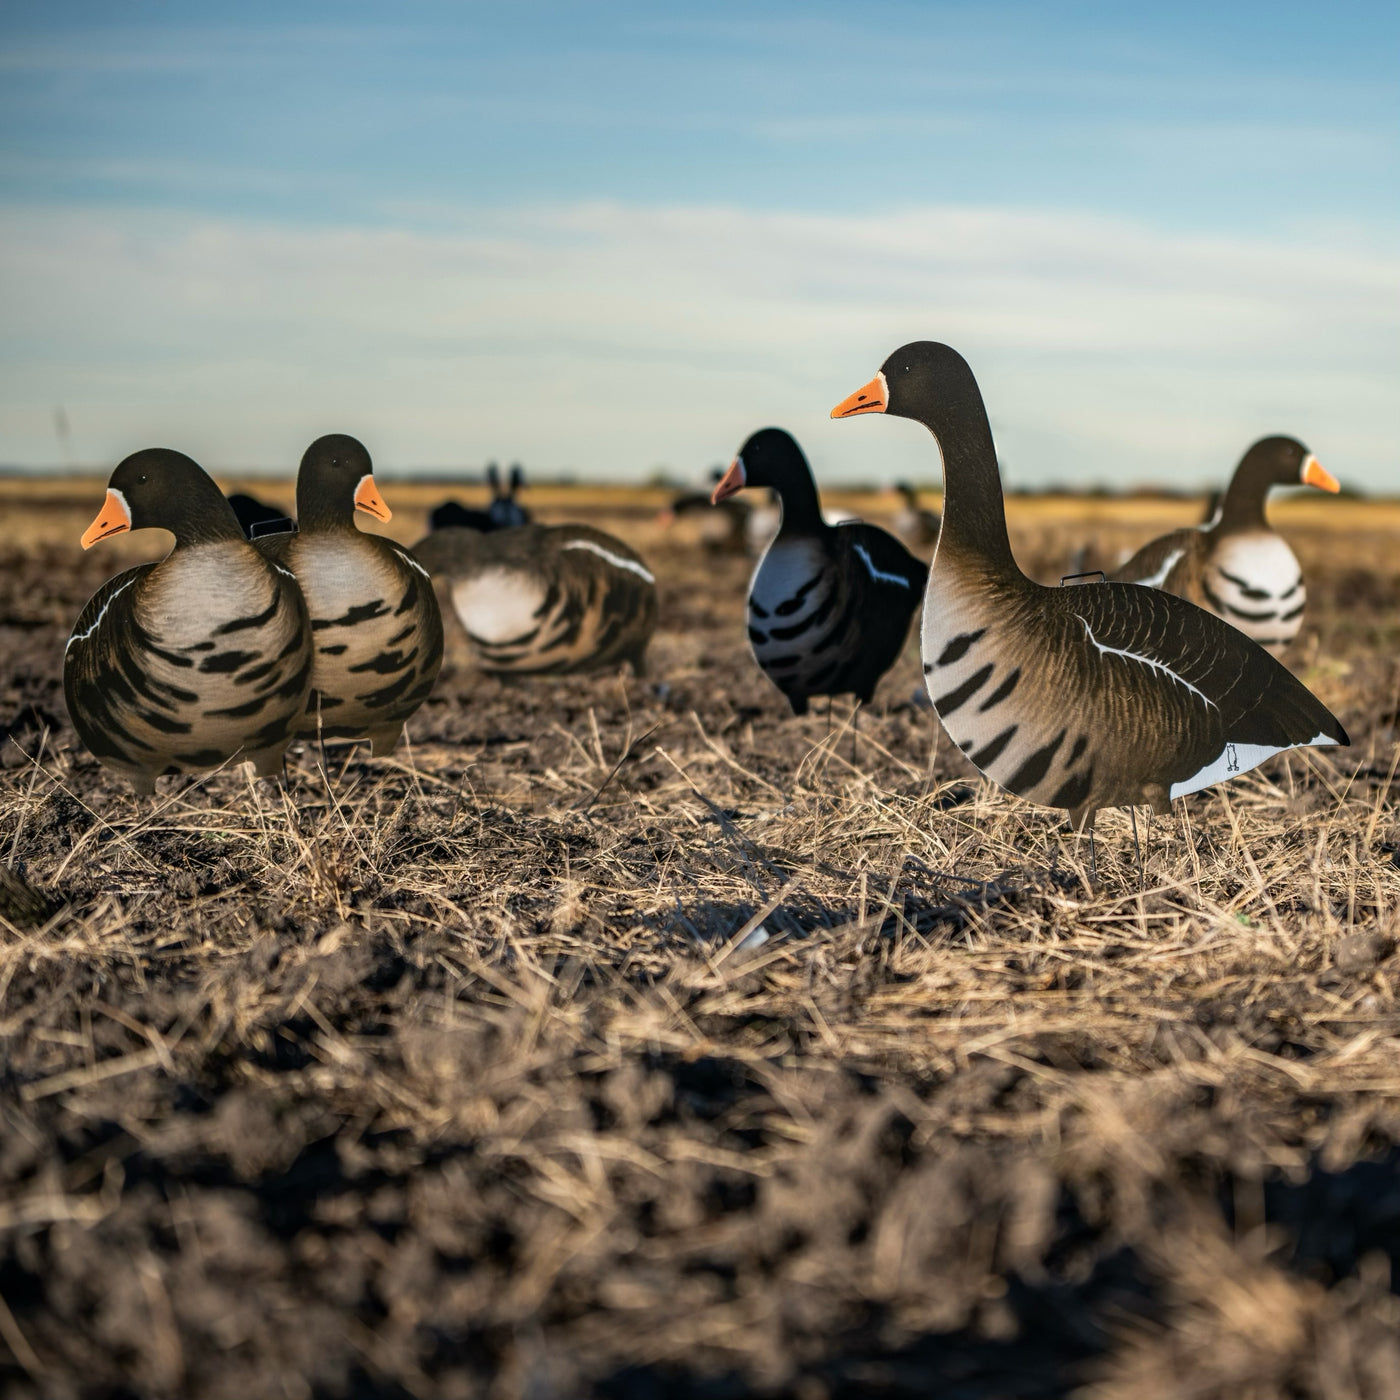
(374,663)
(802,641)
(149,704)
(989,711)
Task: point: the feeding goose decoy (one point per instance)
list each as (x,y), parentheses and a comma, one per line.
(504,512)
(256,517)
(916,525)
(723,528)
(1236,565)
(829,605)
(1105,695)
(546,599)
(181,665)
(374,617)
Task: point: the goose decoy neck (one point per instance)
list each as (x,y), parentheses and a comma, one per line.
(772,458)
(934,385)
(1272,461)
(164,489)
(335,480)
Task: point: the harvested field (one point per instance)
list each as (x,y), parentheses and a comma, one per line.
(629,1038)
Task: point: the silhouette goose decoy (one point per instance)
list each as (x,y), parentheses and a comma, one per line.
(256,517)
(546,599)
(181,665)
(1105,695)
(375,623)
(1236,565)
(914,524)
(829,605)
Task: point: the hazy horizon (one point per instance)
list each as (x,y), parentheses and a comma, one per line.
(614,242)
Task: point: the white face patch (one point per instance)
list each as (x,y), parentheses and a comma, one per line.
(618,561)
(499,604)
(1236,759)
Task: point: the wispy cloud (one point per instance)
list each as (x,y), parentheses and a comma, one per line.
(610,339)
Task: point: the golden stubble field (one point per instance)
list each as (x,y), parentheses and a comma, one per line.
(629,1038)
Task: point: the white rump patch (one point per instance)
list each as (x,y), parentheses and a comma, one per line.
(1160,577)
(498,604)
(97,621)
(1148,661)
(618,561)
(877,574)
(1235,759)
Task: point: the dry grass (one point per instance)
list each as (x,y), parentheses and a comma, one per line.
(472,1073)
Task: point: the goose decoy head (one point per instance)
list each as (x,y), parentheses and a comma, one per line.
(162,489)
(335,480)
(769,458)
(910,384)
(1284,461)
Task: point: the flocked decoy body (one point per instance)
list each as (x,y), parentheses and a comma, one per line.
(915,524)
(179,666)
(1102,695)
(256,517)
(829,605)
(1235,564)
(546,599)
(374,617)
(504,512)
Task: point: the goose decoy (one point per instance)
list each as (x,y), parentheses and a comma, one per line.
(504,512)
(1105,695)
(181,665)
(723,529)
(1235,565)
(374,617)
(546,598)
(829,605)
(256,517)
(914,524)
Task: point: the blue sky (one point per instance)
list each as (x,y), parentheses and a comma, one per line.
(611,238)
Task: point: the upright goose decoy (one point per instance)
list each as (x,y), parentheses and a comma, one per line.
(916,525)
(1104,695)
(1235,565)
(546,599)
(829,605)
(179,666)
(374,617)
(723,529)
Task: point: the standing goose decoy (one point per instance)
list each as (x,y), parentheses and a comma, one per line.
(546,599)
(179,666)
(915,525)
(1235,565)
(374,618)
(829,605)
(1107,695)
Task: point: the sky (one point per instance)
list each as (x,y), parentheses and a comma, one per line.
(614,239)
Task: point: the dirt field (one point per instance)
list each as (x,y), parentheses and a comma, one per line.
(462,1075)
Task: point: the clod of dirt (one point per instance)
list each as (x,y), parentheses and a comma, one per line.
(1359,952)
(21,904)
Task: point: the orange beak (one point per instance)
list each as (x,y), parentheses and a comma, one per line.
(113,519)
(731,482)
(368,499)
(873,398)
(1315,474)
